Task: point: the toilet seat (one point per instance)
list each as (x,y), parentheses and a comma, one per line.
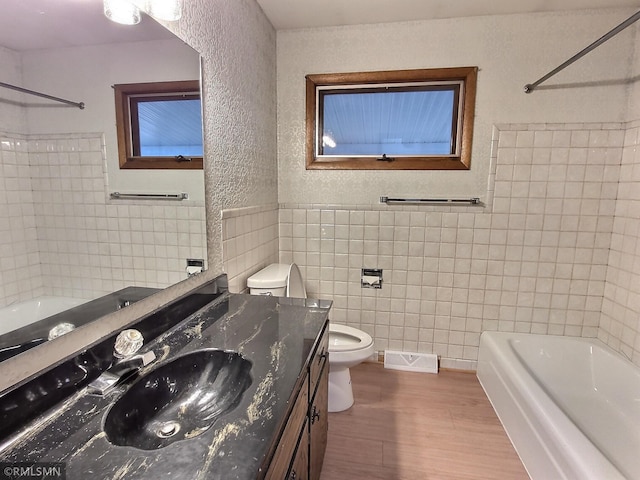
(295,283)
(343,338)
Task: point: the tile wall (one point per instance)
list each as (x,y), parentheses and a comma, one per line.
(67,238)
(620,321)
(534,260)
(20,271)
(249,242)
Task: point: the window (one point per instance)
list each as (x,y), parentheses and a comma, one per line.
(159,125)
(392,120)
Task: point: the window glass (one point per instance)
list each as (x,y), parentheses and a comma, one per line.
(168,128)
(417,120)
(402,120)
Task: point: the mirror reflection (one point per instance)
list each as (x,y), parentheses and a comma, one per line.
(66,241)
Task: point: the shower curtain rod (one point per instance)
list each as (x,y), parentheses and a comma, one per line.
(80,105)
(530,87)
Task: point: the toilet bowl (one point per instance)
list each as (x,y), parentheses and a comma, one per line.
(348,346)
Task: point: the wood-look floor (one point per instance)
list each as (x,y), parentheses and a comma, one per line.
(418,426)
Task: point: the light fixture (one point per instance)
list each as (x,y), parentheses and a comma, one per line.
(327,141)
(127,12)
(168,10)
(122,11)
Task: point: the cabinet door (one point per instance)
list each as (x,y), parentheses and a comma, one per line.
(295,437)
(318,425)
(300,465)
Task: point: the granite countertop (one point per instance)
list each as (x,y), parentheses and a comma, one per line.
(276,335)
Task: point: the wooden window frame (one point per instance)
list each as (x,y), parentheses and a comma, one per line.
(460,161)
(123,93)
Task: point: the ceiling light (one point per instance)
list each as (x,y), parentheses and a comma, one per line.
(327,141)
(168,10)
(122,11)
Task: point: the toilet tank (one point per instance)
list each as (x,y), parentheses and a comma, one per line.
(271,280)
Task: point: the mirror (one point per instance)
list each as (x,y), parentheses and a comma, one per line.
(66,237)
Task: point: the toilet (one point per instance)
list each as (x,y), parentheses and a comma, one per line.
(348,346)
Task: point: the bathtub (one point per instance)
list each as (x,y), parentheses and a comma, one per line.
(18,315)
(571,406)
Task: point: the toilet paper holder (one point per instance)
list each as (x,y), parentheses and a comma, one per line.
(194,266)
(371,278)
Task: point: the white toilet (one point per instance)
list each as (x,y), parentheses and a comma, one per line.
(347,346)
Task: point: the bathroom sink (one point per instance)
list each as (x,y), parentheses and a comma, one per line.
(178,400)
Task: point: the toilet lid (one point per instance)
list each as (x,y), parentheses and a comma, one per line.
(272,276)
(295,283)
(343,338)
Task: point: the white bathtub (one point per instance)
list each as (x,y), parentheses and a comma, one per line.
(571,406)
(18,315)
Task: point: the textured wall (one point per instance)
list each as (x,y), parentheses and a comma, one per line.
(633,111)
(510,51)
(237,44)
(12,115)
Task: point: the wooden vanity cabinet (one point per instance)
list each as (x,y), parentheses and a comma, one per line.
(294,439)
(300,463)
(318,407)
(301,448)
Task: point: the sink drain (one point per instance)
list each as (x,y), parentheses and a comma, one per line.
(168,429)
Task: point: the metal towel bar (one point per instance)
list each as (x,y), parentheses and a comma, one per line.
(149,196)
(431,201)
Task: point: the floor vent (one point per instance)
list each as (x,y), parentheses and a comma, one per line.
(412,362)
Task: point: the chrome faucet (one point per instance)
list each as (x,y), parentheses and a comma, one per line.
(126,362)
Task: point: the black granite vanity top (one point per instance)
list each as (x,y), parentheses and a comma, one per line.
(277,335)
